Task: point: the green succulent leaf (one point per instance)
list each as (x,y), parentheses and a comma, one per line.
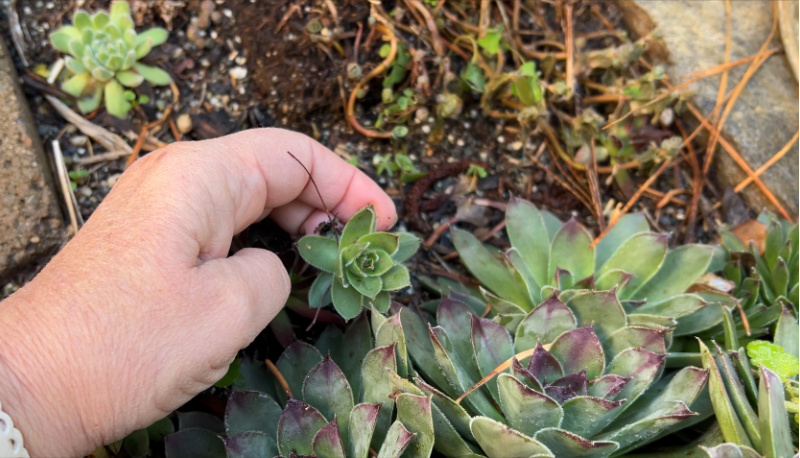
(327,389)
(728,450)
(251,411)
(153,75)
(362,422)
(644,431)
(526,231)
(296,361)
(75,66)
(396,278)
(500,441)
(194,443)
(565,443)
(82,20)
(527,410)
(319,294)
(487,268)
(249,444)
(642,366)
(346,301)
(368,286)
(680,270)
(119,9)
(89,104)
(544,323)
(327,441)
(155,35)
(407,246)
(773,418)
(601,309)
(397,439)
(787,334)
(492,345)
(415,413)
(297,427)
(571,251)
(62,37)
(586,415)
(115,100)
(732,429)
(579,349)
(361,224)
(129,79)
(641,256)
(385,241)
(391,332)
(76,84)
(142,49)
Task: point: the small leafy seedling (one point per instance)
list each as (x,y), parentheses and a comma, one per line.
(360,268)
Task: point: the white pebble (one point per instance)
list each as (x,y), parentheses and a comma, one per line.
(238,73)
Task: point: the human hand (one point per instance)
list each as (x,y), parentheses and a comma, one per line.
(143,309)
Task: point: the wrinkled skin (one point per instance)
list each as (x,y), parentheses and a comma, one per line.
(143,309)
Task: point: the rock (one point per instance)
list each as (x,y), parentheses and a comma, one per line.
(766,113)
(28,203)
(238,73)
(184,123)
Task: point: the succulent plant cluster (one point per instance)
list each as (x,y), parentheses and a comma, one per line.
(651,280)
(359,267)
(565,350)
(323,417)
(769,277)
(103,58)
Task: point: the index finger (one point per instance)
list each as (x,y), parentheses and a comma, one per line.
(261,176)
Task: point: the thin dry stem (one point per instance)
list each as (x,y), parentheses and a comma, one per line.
(499,370)
(279,377)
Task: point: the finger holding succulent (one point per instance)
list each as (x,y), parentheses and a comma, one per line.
(360,267)
(103,58)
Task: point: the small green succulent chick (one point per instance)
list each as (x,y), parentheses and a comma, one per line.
(104,50)
(360,268)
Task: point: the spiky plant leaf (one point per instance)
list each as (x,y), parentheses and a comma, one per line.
(571,251)
(327,389)
(361,425)
(728,450)
(397,439)
(732,428)
(328,443)
(527,410)
(249,411)
(297,428)
(415,413)
(498,440)
(773,419)
(565,443)
(295,362)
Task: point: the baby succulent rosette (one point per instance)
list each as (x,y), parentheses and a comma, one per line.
(104,50)
(360,268)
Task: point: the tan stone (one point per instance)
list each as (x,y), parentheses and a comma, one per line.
(765,115)
(30,218)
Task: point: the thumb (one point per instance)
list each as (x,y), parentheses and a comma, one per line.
(252,287)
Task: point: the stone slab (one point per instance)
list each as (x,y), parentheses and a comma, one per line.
(30,218)
(765,116)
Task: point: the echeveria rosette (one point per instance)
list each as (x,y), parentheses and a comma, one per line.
(104,50)
(361,268)
(342,405)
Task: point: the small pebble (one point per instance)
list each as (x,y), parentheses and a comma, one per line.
(515,146)
(459,142)
(241,60)
(85,191)
(501,139)
(35,239)
(78,140)
(238,73)
(112,180)
(426,129)
(184,123)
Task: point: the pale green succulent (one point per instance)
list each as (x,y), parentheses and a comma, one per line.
(360,267)
(104,50)
(651,280)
